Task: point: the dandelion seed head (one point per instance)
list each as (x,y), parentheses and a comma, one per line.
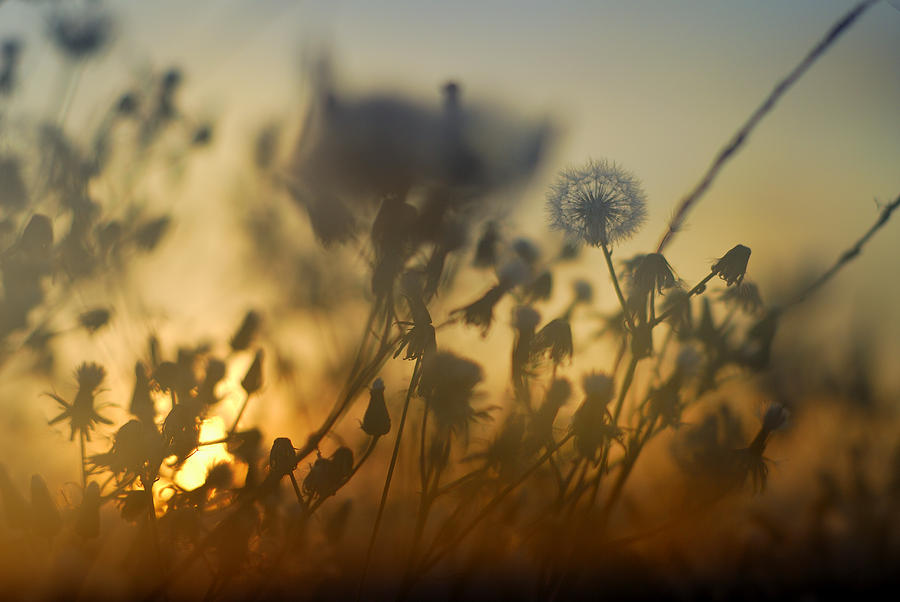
(598,203)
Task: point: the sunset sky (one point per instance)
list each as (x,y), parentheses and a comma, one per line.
(656,86)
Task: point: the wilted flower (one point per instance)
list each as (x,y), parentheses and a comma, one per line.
(554,340)
(376,421)
(649,272)
(732,266)
(81,413)
(599,203)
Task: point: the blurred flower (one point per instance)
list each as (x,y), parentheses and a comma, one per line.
(327,475)
(744,296)
(80,33)
(376,421)
(732,266)
(448,386)
(486,249)
(599,203)
(584,291)
(94,319)
(81,413)
(591,422)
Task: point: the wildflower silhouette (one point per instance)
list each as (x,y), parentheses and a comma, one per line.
(80,413)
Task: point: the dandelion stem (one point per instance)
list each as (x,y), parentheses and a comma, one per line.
(390,473)
(615,280)
(733,145)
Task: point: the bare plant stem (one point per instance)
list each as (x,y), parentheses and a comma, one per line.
(413,381)
(733,145)
(847,256)
(433,559)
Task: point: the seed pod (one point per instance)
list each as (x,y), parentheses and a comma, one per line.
(253,379)
(282,457)
(377,421)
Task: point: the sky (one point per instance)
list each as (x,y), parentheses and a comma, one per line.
(656,86)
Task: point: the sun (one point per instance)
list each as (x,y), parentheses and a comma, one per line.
(193,472)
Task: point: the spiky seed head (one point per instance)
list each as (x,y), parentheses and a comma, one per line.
(599,203)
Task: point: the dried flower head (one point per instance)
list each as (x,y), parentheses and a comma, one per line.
(732,266)
(599,203)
